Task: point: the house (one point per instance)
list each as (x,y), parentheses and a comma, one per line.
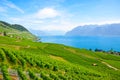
(1,34)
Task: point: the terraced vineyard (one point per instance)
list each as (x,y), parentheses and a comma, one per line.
(27,60)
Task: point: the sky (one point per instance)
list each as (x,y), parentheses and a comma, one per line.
(59,16)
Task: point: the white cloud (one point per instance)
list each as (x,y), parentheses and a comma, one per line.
(47,13)
(41,19)
(45,19)
(12,5)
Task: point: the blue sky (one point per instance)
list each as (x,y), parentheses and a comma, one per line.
(59,15)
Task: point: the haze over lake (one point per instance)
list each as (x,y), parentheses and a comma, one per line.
(104,43)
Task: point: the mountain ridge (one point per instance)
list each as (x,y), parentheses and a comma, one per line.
(96,30)
(15,30)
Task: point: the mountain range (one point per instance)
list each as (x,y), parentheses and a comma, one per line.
(95,30)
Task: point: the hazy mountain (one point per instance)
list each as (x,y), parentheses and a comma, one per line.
(38,32)
(96,30)
(46,33)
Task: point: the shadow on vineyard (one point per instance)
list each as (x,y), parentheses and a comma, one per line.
(28,60)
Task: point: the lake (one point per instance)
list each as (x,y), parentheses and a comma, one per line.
(104,43)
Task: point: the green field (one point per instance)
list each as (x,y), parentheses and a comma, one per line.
(27,60)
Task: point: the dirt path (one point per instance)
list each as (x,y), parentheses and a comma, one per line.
(109,65)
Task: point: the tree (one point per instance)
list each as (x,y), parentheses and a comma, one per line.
(4,33)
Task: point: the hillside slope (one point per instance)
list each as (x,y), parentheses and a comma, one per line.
(15,30)
(96,30)
(29,60)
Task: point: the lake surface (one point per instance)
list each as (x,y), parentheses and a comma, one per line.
(104,43)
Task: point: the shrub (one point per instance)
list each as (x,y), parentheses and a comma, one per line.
(5,73)
(55,68)
(10,56)
(2,55)
(32,75)
(62,77)
(21,74)
(23,62)
(53,76)
(45,77)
